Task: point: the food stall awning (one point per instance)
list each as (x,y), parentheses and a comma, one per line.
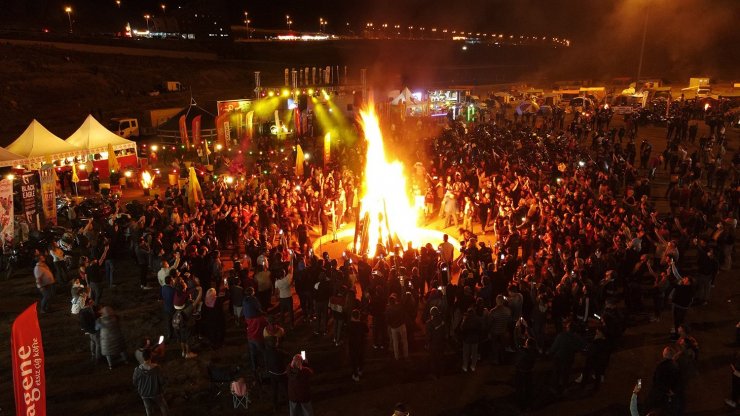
(93,137)
(9,158)
(38,144)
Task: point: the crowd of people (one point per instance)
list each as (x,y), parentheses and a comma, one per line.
(580,252)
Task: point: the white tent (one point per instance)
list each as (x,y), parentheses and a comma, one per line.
(37,144)
(93,137)
(404,97)
(9,158)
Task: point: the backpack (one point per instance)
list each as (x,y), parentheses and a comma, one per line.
(178,320)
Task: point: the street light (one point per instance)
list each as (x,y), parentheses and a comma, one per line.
(68,10)
(147,17)
(164,8)
(642,46)
(288,21)
(118,3)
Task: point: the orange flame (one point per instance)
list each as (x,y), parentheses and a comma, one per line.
(146,180)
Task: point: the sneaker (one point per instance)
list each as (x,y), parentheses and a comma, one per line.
(190,355)
(654,319)
(731,403)
(465,369)
(355,378)
(472,368)
(183,354)
(146,287)
(579,379)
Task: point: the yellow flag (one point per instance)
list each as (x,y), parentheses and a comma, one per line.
(299,161)
(75,178)
(195,194)
(113,165)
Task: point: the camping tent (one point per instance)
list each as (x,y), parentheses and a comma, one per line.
(9,158)
(37,144)
(93,137)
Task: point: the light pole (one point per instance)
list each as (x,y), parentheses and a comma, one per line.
(164,8)
(147,17)
(288,21)
(642,46)
(68,10)
(118,3)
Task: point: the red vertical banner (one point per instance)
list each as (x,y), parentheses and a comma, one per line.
(222,123)
(196,131)
(29,380)
(184,130)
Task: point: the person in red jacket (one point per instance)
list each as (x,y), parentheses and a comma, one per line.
(299,387)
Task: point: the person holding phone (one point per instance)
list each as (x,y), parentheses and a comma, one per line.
(299,387)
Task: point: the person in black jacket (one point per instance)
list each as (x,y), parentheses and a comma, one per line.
(470,334)
(683,294)
(88,316)
(436,333)
(396,319)
(276,361)
(323,291)
(149,384)
(665,382)
(357,333)
(523,366)
(563,351)
(597,359)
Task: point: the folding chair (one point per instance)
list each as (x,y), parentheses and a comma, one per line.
(240,394)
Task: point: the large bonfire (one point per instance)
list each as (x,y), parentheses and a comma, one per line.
(386,206)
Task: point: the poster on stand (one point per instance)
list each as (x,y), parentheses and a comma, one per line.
(6,211)
(28,195)
(48,194)
(29,378)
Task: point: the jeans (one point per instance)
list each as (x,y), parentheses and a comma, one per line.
(109,271)
(338,325)
(96,292)
(679,316)
(143,274)
(398,335)
(60,271)
(151,402)
(321,316)
(380,331)
(255,353)
(470,355)
(168,323)
(47,292)
(300,409)
(95,346)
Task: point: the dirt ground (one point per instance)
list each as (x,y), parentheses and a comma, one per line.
(77,386)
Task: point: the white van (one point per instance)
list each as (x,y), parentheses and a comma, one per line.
(125,127)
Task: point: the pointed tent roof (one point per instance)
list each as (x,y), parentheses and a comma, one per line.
(404,96)
(95,138)
(9,158)
(37,143)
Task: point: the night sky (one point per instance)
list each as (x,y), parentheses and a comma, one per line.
(682,31)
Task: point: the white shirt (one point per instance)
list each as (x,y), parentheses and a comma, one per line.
(447,251)
(283,286)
